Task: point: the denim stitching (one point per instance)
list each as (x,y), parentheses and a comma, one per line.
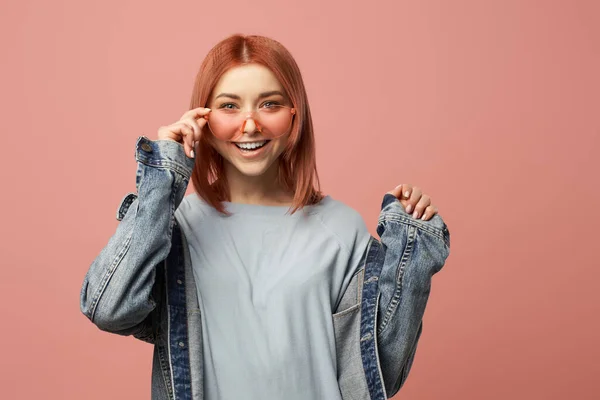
(406,254)
(108,275)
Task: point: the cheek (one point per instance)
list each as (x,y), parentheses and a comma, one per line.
(220,146)
(280,144)
(277,149)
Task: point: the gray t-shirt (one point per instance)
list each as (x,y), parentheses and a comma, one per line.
(268,284)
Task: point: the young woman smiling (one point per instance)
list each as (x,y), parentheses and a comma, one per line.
(258,286)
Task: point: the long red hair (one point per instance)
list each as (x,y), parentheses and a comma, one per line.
(297,163)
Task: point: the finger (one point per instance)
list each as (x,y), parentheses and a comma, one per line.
(402,191)
(415,196)
(187,134)
(176,130)
(200,123)
(196,126)
(429,212)
(406,190)
(396,191)
(195,113)
(421,205)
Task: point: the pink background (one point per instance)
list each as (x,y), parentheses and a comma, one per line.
(492,107)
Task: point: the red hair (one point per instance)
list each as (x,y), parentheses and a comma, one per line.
(297,163)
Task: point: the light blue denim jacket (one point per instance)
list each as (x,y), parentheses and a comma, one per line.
(141,284)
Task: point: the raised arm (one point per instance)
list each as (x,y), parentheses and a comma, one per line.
(118,292)
(412,251)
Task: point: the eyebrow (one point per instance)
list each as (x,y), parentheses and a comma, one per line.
(261,96)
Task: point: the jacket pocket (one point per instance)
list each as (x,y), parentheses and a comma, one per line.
(346,326)
(352,295)
(125,204)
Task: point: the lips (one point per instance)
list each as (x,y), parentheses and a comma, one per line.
(264,143)
(251,154)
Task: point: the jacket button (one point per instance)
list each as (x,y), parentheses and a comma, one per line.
(367,337)
(179,281)
(147,147)
(181,344)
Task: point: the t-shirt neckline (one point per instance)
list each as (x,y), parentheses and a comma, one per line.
(264,210)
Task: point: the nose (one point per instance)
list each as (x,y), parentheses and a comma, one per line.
(250,125)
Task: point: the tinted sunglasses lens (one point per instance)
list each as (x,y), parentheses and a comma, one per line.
(226,124)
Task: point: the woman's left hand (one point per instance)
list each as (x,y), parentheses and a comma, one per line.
(412,198)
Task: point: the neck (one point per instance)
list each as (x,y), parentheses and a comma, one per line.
(264,189)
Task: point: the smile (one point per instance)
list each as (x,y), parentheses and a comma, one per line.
(252,150)
(251,146)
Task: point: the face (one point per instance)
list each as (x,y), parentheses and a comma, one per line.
(242,90)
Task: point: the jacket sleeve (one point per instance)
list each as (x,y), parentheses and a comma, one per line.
(412,251)
(118,292)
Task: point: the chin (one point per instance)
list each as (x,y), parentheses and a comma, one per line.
(252,169)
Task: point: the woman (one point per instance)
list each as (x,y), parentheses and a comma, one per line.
(258,286)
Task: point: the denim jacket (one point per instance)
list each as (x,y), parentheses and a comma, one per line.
(141,284)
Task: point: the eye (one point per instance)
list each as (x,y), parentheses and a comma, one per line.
(271,104)
(228,106)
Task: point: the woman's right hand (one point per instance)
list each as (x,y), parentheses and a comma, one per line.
(187,130)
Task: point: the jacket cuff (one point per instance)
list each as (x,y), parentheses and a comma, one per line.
(164,153)
(387,200)
(391,206)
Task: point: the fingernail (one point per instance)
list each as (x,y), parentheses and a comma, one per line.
(192,153)
(423,217)
(406,194)
(415,215)
(408,208)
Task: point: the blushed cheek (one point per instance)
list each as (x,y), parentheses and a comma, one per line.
(277,149)
(281,144)
(223,148)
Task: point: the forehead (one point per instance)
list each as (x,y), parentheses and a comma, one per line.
(247,79)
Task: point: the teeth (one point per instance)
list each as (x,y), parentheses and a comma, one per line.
(251,146)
